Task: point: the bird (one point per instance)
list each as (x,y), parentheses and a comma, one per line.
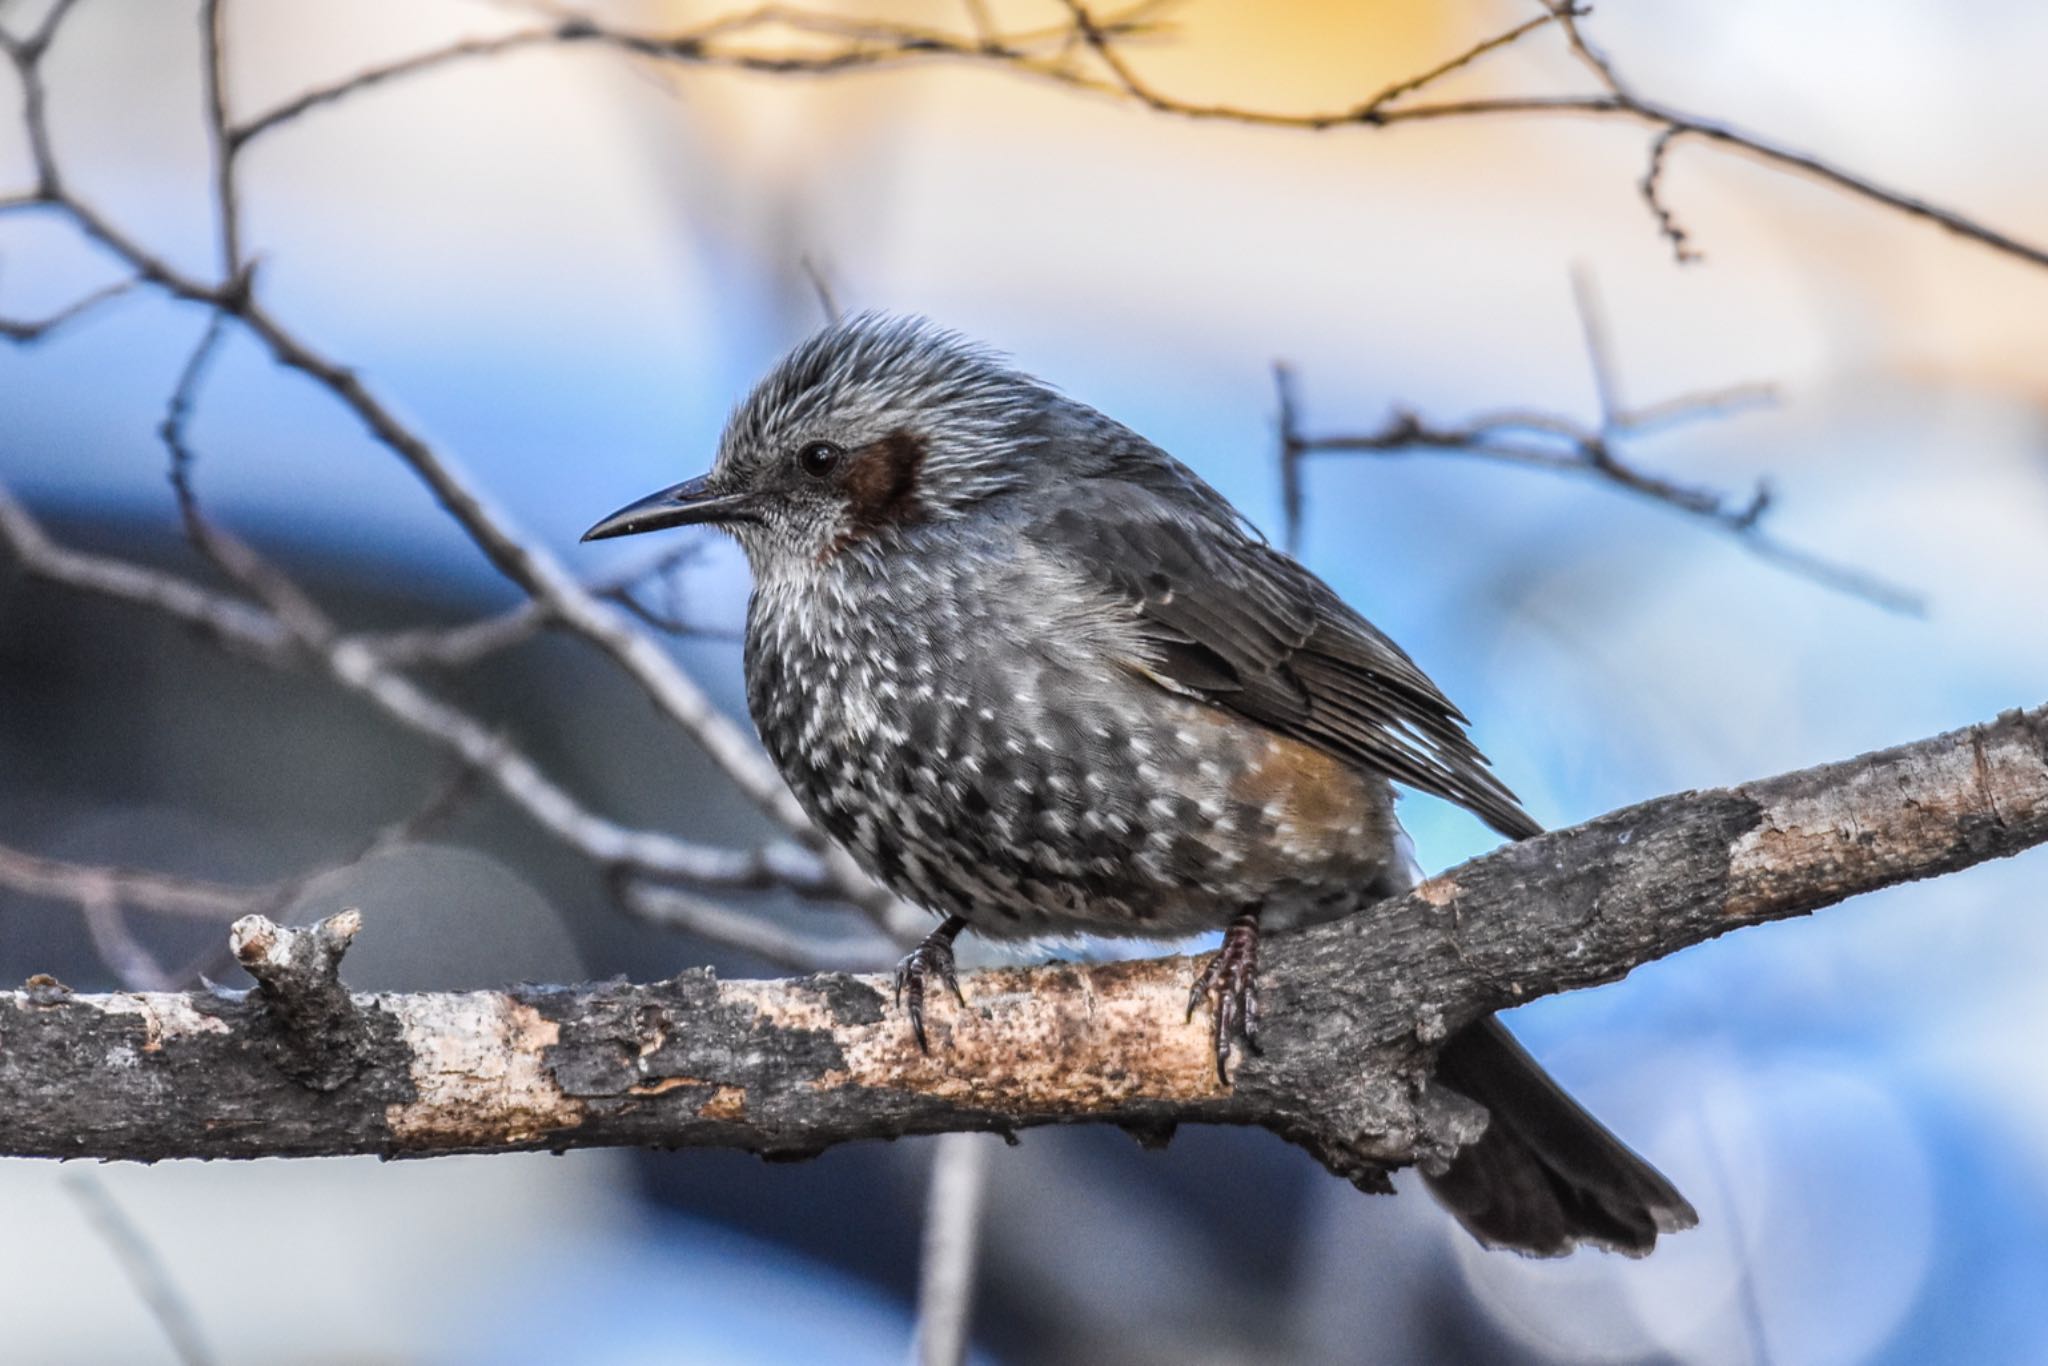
(1038,677)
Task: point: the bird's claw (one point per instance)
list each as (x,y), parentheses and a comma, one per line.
(1230,985)
(934,955)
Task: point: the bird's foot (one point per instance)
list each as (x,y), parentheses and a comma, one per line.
(934,955)
(1230,984)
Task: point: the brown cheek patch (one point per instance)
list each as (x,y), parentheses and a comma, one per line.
(881,486)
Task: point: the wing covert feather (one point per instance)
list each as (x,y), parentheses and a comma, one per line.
(1225,617)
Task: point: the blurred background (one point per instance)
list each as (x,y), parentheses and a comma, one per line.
(563,265)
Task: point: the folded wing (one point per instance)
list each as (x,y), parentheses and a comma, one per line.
(1224,617)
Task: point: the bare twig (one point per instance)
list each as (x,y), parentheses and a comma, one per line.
(523,559)
(1548,441)
(27,55)
(674,909)
(467,643)
(821,287)
(28,331)
(233,557)
(84,884)
(1592,57)
(952,1246)
(1593,329)
(213,75)
(355,664)
(456,647)
(103,892)
(1651,187)
(227,621)
(360,670)
(142,1266)
(865,44)
(133,966)
(1508,38)
(870,45)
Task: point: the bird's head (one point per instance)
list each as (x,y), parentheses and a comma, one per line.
(871,427)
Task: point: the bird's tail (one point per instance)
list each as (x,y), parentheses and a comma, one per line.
(1545,1176)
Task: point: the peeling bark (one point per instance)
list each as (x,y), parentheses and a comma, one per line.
(786,1068)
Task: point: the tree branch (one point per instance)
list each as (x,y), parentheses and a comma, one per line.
(786,1068)
(855,44)
(29,331)
(290,629)
(1563,445)
(523,559)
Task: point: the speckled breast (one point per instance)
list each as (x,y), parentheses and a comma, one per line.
(982,752)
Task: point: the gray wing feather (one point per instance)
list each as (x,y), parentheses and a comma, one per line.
(1227,618)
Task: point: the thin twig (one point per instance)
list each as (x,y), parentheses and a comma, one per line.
(163,893)
(105,886)
(821,287)
(673,909)
(1560,444)
(144,1269)
(470,642)
(868,44)
(523,559)
(133,966)
(1592,57)
(213,76)
(356,665)
(1507,38)
(219,618)
(29,331)
(1593,330)
(871,45)
(1651,187)
(459,646)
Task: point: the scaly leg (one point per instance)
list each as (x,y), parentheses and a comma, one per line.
(1230,984)
(935,954)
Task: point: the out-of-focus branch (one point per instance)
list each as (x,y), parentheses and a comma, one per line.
(213,79)
(1564,445)
(838,43)
(28,331)
(220,618)
(672,908)
(356,666)
(1354,1008)
(142,1266)
(952,1248)
(1617,100)
(470,642)
(848,43)
(79,883)
(290,628)
(1651,187)
(523,559)
(105,894)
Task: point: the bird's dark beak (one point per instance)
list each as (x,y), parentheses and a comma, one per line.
(687,504)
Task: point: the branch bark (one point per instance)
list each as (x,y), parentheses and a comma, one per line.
(789,1067)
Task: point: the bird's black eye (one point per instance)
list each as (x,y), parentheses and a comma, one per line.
(819,458)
